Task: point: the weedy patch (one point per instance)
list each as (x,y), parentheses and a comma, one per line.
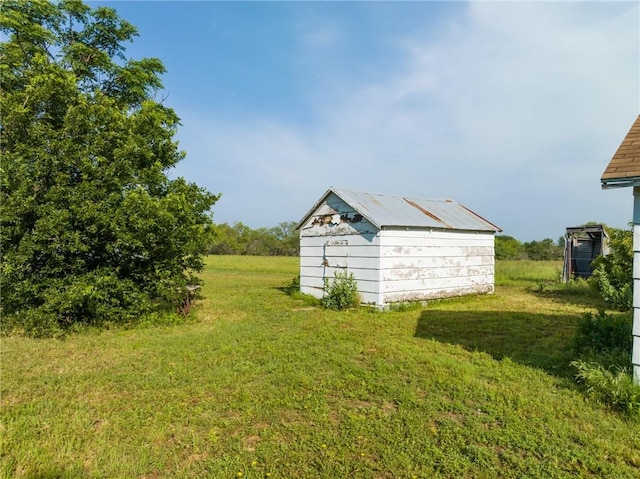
(341,292)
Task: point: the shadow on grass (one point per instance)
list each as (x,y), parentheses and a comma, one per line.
(48,472)
(537,340)
(580,295)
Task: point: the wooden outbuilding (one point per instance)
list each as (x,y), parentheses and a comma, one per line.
(624,171)
(583,244)
(398,249)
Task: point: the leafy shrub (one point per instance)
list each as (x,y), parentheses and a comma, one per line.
(33,322)
(341,292)
(603,344)
(620,297)
(612,275)
(614,387)
(91,299)
(293,286)
(94,230)
(603,333)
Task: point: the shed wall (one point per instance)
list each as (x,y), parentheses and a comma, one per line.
(392,265)
(338,239)
(317,262)
(421,265)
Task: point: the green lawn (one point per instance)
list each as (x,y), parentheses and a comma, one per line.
(258,385)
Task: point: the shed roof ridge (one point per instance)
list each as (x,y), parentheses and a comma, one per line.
(390,195)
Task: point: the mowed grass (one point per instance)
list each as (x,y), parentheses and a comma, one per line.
(258,384)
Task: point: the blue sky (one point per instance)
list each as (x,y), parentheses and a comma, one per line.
(512,108)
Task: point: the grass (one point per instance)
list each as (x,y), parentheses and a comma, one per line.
(260,384)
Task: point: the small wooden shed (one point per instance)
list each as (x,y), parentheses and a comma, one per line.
(623,171)
(399,249)
(583,244)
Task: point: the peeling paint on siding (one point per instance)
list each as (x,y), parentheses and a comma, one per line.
(336,221)
(392,263)
(414,296)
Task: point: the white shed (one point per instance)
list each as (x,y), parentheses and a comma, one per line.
(399,249)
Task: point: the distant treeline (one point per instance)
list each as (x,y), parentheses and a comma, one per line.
(282,240)
(508,247)
(239,239)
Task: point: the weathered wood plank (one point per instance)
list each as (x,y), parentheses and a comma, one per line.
(425,295)
(395,262)
(460,273)
(409,251)
(450,283)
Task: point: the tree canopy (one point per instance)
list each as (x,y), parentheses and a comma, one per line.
(507,247)
(93,229)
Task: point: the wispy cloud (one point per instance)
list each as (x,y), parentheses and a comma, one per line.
(512,108)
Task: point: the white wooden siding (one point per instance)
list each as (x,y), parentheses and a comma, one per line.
(336,218)
(420,265)
(402,274)
(425,295)
(425,262)
(322,256)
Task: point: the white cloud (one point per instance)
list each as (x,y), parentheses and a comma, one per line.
(514,109)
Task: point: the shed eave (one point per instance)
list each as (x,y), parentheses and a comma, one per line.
(429,228)
(610,183)
(587,229)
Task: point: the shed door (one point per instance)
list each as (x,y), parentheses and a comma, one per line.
(583,255)
(336,255)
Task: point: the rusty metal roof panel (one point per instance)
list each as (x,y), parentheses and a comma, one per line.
(400,211)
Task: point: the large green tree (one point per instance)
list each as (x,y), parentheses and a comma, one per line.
(92,227)
(507,247)
(544,250)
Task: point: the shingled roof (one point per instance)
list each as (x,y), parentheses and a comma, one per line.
(624,167)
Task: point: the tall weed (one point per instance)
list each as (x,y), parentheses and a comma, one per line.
(603,345)
(603,333)
(614,387)
(341,292)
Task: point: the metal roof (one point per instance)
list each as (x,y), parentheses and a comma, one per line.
(400,211)
(588,229)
